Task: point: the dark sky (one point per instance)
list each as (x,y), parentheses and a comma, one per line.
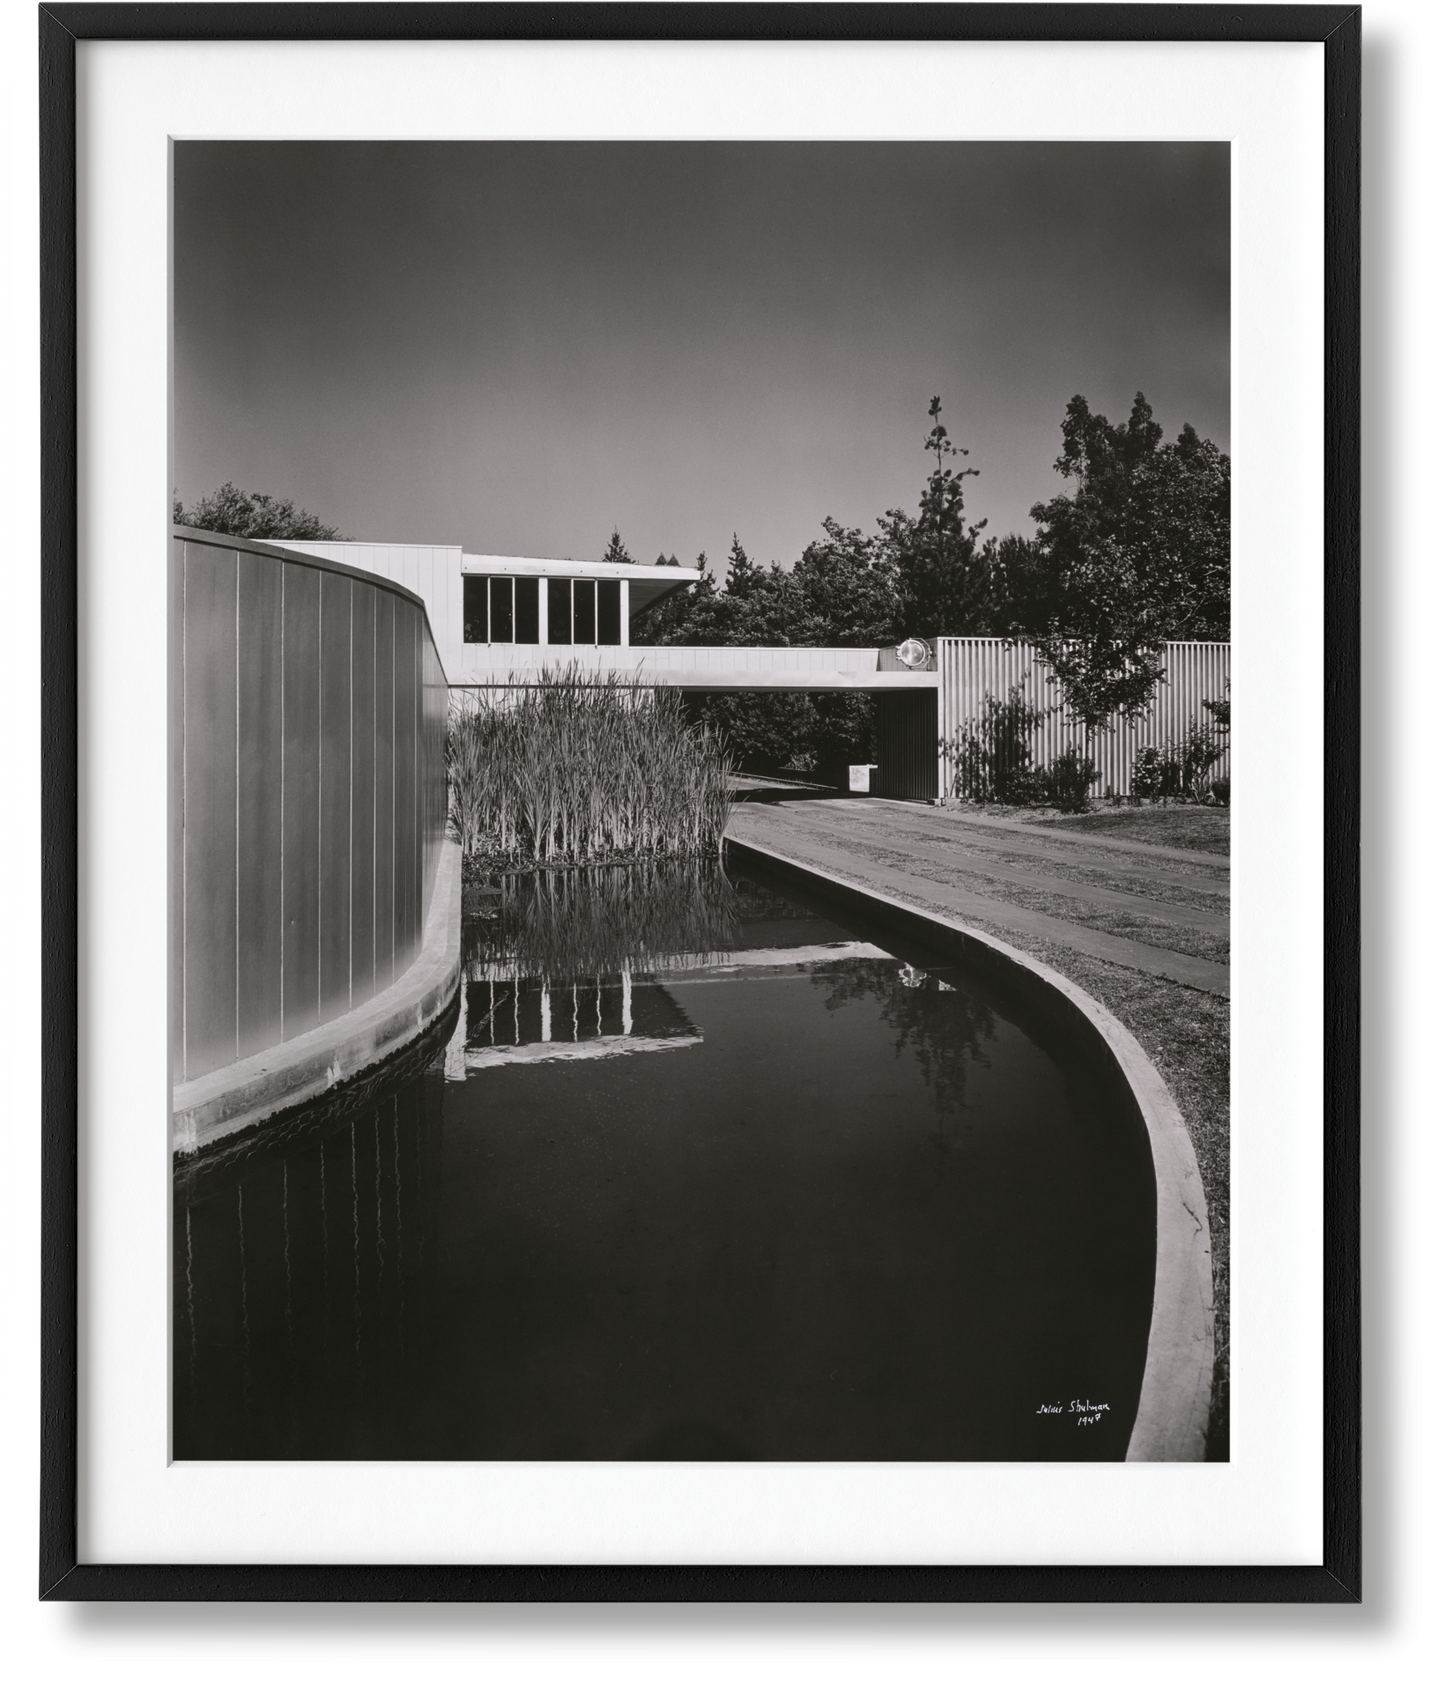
(516,346)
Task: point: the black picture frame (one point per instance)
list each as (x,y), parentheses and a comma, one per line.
(62,1575)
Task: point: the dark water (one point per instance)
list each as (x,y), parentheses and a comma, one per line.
(731,1183)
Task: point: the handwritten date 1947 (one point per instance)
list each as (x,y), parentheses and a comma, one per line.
(1084,1413)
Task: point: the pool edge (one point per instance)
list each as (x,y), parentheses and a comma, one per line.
(1173,1417)
(259,1088)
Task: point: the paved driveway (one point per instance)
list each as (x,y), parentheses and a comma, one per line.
(1163,911)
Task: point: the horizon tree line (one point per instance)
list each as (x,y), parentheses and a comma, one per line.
(1132,554)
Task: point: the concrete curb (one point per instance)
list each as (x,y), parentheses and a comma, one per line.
(1173,1416)
(257,1088)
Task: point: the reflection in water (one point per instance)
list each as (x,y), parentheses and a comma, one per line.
(508,1018)
(945,1029)
(536,1247)
(245,1304)
(274,1355)
(599,921)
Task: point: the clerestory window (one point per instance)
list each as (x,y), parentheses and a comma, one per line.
(585,612)
(500,610)
(582,612)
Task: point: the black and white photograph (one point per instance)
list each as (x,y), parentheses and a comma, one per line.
(712,838)
(700,800)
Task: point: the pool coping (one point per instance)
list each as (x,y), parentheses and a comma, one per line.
(257,1088)
(1173,1417)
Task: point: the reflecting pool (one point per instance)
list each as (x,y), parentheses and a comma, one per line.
(696,1171)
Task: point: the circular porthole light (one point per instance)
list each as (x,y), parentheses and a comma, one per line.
(914,654)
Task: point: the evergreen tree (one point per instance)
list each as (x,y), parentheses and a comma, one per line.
(1018,587)
(616,550)
(943,584)
(844,591)
(744,575)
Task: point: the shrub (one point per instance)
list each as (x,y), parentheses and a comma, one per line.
(1067,781)
(1219,788)
(1150,771)
(1197,754)
(1178,770)
(992,757)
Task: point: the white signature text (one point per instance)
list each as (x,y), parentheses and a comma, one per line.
(1083,1413)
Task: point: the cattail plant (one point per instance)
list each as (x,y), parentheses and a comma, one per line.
(578,768)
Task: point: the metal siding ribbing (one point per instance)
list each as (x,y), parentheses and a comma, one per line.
(972,668)
(363,792)
(907,745)
(406,921)
(258,738)
(384,831)
(432,571)
(177,792)
(301,805)
(333,879)
(299,744)
(436,701)
(208,846)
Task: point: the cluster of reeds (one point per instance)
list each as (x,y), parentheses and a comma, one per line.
(584,768)
(601,920)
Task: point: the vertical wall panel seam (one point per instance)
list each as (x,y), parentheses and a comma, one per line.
(282,837)
(350,789)
(236,1048)
(394,791)
(375,616)
(320,762)
(185,953)
(418,841)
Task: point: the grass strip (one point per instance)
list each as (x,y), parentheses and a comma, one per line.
(1195,829)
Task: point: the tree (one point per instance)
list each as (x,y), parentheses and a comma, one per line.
(1138,556)
(840,593)
(743,574)
(1018,587)
(254,514)
(942,582)
(666,561)
(697,616)
(845,590)
(616,550)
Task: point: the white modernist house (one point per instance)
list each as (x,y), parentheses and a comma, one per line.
(500,620)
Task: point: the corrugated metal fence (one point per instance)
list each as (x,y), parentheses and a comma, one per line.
(308,795)
(971,668)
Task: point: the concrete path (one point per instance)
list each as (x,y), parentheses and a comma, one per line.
(895,847)
(955,852)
